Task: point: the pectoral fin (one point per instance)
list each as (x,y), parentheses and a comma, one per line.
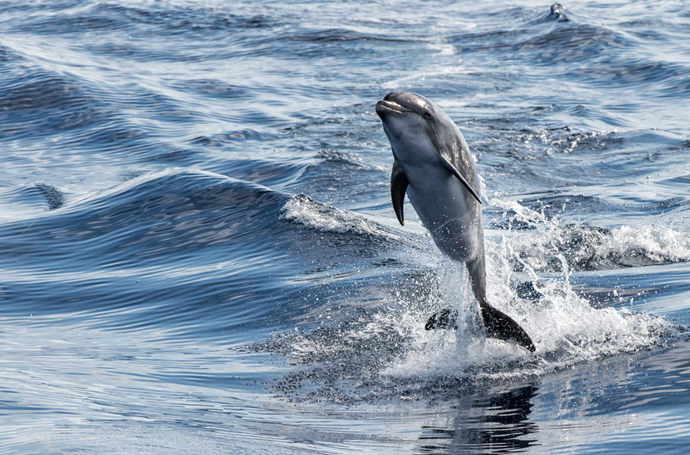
(448,165)
(398,189)
(500,325)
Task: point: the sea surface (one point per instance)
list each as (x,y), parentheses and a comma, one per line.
(199,255)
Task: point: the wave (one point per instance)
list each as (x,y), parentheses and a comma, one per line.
(580,49)
(306,211)
(176,20)
(42,102)
(26,201)
(176,227)
(556,247)
(122,257)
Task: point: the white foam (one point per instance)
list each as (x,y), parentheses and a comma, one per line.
(658,244)
(605,248)
(322,217)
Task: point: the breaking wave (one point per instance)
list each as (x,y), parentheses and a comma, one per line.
(304,210)
(546,245)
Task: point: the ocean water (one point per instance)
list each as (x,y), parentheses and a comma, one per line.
(198,252)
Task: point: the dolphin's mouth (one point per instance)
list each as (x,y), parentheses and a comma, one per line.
(385,106)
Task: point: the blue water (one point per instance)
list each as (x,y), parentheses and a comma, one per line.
(198,252)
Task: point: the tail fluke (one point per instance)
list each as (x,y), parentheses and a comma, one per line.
(444,319)
(498,325)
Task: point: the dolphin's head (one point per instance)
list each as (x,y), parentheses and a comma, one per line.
(416,128)
(421,134)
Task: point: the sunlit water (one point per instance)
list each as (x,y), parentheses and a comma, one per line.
(198,252)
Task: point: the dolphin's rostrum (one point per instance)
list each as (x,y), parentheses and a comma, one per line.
(433,165)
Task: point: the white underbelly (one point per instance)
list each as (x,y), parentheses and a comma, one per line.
(447,209)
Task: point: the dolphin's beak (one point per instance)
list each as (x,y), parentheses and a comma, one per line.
(385,107)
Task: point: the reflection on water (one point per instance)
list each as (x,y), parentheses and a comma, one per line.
(496,423)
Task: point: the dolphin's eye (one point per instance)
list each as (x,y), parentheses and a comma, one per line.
(427,115)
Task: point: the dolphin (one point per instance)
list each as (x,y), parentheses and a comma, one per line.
(433,165)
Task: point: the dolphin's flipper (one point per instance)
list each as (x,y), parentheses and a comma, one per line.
(448,165)
(500,325)
(398,189)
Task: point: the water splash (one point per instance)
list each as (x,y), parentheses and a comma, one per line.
(385,350)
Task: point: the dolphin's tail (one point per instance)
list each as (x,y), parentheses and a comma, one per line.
(444,319)
(498,325)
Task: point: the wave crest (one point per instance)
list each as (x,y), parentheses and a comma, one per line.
(304,210)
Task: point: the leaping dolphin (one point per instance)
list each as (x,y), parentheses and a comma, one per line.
(434,166)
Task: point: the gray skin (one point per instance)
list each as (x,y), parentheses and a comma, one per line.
(433,165)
